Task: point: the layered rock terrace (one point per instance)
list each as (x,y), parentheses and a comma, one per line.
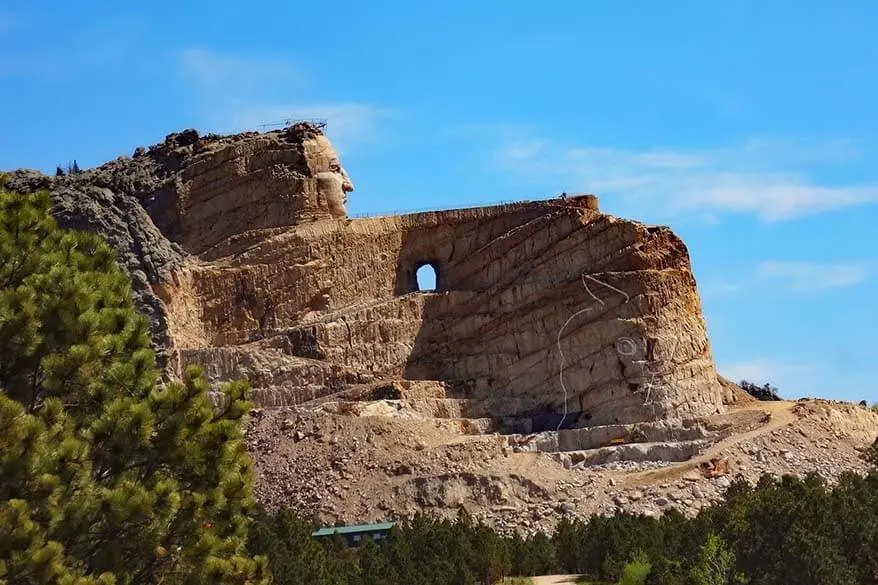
(575,334)
(547,313)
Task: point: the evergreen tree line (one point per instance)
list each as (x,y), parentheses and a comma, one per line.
(781,531)
(72,169)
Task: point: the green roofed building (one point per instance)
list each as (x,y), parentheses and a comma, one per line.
(354,535)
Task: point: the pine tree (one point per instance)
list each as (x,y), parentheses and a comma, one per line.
(293,555)
(636,571)
(105,476)
(715,563)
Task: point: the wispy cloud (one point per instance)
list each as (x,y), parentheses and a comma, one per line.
(237,93)
(803,276)
(701,183)
(235,75)
(791,277)
(794,277)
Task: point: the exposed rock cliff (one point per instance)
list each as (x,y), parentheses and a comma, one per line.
(83,202)
(190,192)
(547,313)
(576,334)
(535,301)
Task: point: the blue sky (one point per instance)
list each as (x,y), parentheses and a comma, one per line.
(747,126)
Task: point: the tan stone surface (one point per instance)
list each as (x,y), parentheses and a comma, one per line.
(377,401)
(518,285)
(222,186)
(543,308)
(375,461)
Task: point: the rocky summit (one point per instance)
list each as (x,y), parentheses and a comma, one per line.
(560,367)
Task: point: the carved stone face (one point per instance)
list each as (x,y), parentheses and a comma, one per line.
(335,167)
(333,180)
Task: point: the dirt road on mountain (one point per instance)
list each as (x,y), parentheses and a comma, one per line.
(781,415)
(368,466)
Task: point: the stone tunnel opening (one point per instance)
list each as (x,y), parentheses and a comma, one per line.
(427,277)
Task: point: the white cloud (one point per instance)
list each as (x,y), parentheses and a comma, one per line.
(700,183)
(521,152)
(773,197)
(793,277)
(231,74)
(813,276)
(237,95)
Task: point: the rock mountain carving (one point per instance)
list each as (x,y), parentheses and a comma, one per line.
(547,313)
(561,368)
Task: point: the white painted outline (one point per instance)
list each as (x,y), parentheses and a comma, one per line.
(650,384)
(653,368)
(567,322)
(626,341)
(610,286)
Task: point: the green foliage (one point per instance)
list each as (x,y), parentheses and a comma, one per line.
(794,530)
(422,551)
(781,531)
(636,571)
(294,556)
(532,556)
(105,477)
(715,563)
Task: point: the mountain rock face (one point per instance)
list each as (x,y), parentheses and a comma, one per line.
(561,367)
(188,193)
(546,314)
(542,309)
